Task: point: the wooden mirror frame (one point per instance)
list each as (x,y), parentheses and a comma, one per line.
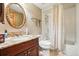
(24,16)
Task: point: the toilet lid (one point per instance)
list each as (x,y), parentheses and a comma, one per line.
(45,42)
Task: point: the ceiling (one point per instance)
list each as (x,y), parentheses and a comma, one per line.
(68,5)
(43,5)
(47,5)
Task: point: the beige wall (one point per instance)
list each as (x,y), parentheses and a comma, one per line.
(33,12)
(36,13)
(77,26)
(70,24)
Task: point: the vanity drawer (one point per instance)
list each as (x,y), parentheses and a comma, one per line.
(15,49)
(33,51)
(24,53)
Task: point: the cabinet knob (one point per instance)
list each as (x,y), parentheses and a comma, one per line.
(29,52)
(25,54)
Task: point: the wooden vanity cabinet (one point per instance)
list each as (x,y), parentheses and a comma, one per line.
(28,48)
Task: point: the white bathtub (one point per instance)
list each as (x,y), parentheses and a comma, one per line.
(71,50)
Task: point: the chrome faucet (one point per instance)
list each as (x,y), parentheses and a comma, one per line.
(17,35)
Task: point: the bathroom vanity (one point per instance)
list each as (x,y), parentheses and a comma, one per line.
(27,47)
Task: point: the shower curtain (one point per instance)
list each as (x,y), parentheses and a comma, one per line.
(54,26)
(58,27)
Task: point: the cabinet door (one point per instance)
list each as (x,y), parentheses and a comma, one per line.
(24,53)
(33,51)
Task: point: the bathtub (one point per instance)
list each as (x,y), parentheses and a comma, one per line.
(71,50)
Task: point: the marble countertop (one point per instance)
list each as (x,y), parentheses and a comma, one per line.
(16,40)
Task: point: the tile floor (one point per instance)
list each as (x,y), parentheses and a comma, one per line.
(50,53)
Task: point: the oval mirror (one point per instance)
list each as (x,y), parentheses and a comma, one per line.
(15,15)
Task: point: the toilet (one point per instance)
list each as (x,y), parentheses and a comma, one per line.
(44,44)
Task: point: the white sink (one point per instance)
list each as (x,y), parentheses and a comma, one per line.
(21,37)
(17,38)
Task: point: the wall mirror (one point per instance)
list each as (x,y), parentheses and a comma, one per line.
(15,15)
